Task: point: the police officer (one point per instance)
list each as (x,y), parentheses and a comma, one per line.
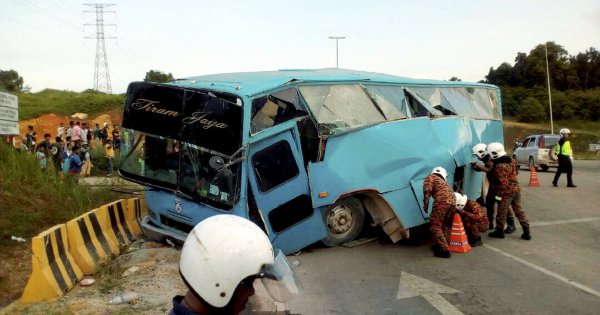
(480,151)
(220,260)
(473,217)
(443,208)
(505,171)
(565,155)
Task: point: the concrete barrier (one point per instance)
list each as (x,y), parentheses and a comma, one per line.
(88,242)
(54,271)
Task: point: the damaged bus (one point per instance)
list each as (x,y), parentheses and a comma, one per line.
(308,155)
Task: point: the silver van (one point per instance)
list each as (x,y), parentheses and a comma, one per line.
(538,151)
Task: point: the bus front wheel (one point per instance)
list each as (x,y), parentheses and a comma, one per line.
(344,221)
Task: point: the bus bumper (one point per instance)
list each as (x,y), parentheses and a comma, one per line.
(154,232)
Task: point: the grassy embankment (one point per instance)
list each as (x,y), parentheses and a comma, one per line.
(30,202)
(583,133)
(66,103)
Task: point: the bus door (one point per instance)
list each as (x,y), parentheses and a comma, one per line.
(279,184)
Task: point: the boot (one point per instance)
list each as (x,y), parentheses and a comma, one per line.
(526,233)
(491,226)
(571,185)
(555,184)
(438,252)
(498,233)
(510,226)
(478,241)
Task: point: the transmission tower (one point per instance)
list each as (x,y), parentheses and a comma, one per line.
(101,73)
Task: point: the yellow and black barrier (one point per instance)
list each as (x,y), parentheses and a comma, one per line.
(64,253)
(88,242)
(54,270)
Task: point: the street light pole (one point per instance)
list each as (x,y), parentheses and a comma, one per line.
(549,95)
(337,65)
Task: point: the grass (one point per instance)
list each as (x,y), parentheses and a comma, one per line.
(583,133)
(30,202)
(33,105)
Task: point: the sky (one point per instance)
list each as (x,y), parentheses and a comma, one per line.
(44,40)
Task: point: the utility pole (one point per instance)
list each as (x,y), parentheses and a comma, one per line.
(549,94)
(101,73)
(337,38)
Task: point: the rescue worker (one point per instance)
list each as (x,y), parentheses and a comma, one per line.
(505,171)
(480,151)
(221,258)
(473,217)
(442,211)
(565,156)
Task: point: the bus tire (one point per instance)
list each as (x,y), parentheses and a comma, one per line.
(344,220)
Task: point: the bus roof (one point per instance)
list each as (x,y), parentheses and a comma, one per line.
(252,83)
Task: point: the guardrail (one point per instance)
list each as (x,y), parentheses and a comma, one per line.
(64,253)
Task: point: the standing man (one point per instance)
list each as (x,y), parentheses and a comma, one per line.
(505,171)
(109,153)
(55,152)
(443,208)
(480,150)
(219,267)
(76,134)
(60,132)
(565,156)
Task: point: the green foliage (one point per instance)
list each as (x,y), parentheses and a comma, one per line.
(531,110)
(67,103)
(158,76)
(32,200)
(11,81)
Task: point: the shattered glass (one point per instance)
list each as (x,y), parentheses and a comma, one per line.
(341,107)
(391,100)
(276,108)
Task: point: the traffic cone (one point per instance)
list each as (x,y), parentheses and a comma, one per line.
(458,237)
(533,179)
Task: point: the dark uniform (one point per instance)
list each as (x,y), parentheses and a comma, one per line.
(443,207)
(505,171)
(563,149)
(474,219)
(490,197)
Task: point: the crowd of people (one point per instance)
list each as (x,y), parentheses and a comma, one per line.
(71,151)
(501,173)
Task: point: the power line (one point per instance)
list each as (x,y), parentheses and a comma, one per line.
(101,73)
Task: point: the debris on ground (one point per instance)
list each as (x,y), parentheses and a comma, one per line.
(87,282)
(130,271)
(18,239)
(123,298)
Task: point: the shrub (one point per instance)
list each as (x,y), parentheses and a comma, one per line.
(531,110)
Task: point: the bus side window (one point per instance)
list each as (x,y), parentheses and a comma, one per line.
(275,109)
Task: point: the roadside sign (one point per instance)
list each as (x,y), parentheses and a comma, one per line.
(9,114)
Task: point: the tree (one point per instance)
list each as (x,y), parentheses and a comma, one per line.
(158,76)
(455,79)
(531,110)
(11,81)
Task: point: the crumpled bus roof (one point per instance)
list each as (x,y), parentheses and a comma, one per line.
(252,83)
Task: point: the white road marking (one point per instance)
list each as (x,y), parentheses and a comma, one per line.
(543,223)
(546,271)
(411,286)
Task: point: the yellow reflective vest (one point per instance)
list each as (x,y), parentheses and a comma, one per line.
(565,149)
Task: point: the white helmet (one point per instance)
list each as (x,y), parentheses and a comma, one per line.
(480,150)
(461,200)
(440,170)
(223,250)
(496,150)
(564,130)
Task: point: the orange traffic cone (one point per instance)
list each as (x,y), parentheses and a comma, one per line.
(458,237)
(533,179)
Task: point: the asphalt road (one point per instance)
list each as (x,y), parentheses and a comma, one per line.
(557,272)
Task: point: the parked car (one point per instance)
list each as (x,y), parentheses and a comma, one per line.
(538,151)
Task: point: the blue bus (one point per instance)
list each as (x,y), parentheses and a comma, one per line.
(308,155)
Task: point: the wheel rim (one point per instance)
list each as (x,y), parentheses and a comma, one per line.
(339,220)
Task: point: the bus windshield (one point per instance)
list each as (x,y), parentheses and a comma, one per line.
(181,140)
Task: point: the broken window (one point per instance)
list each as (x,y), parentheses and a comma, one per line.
(390,99)
(274,166)
(340,107)
(276,108)
(466,101)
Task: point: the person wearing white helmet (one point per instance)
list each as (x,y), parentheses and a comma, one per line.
(220,260)
(473,217)
(480,151)
(505,172)
(443,208)
(565,155)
